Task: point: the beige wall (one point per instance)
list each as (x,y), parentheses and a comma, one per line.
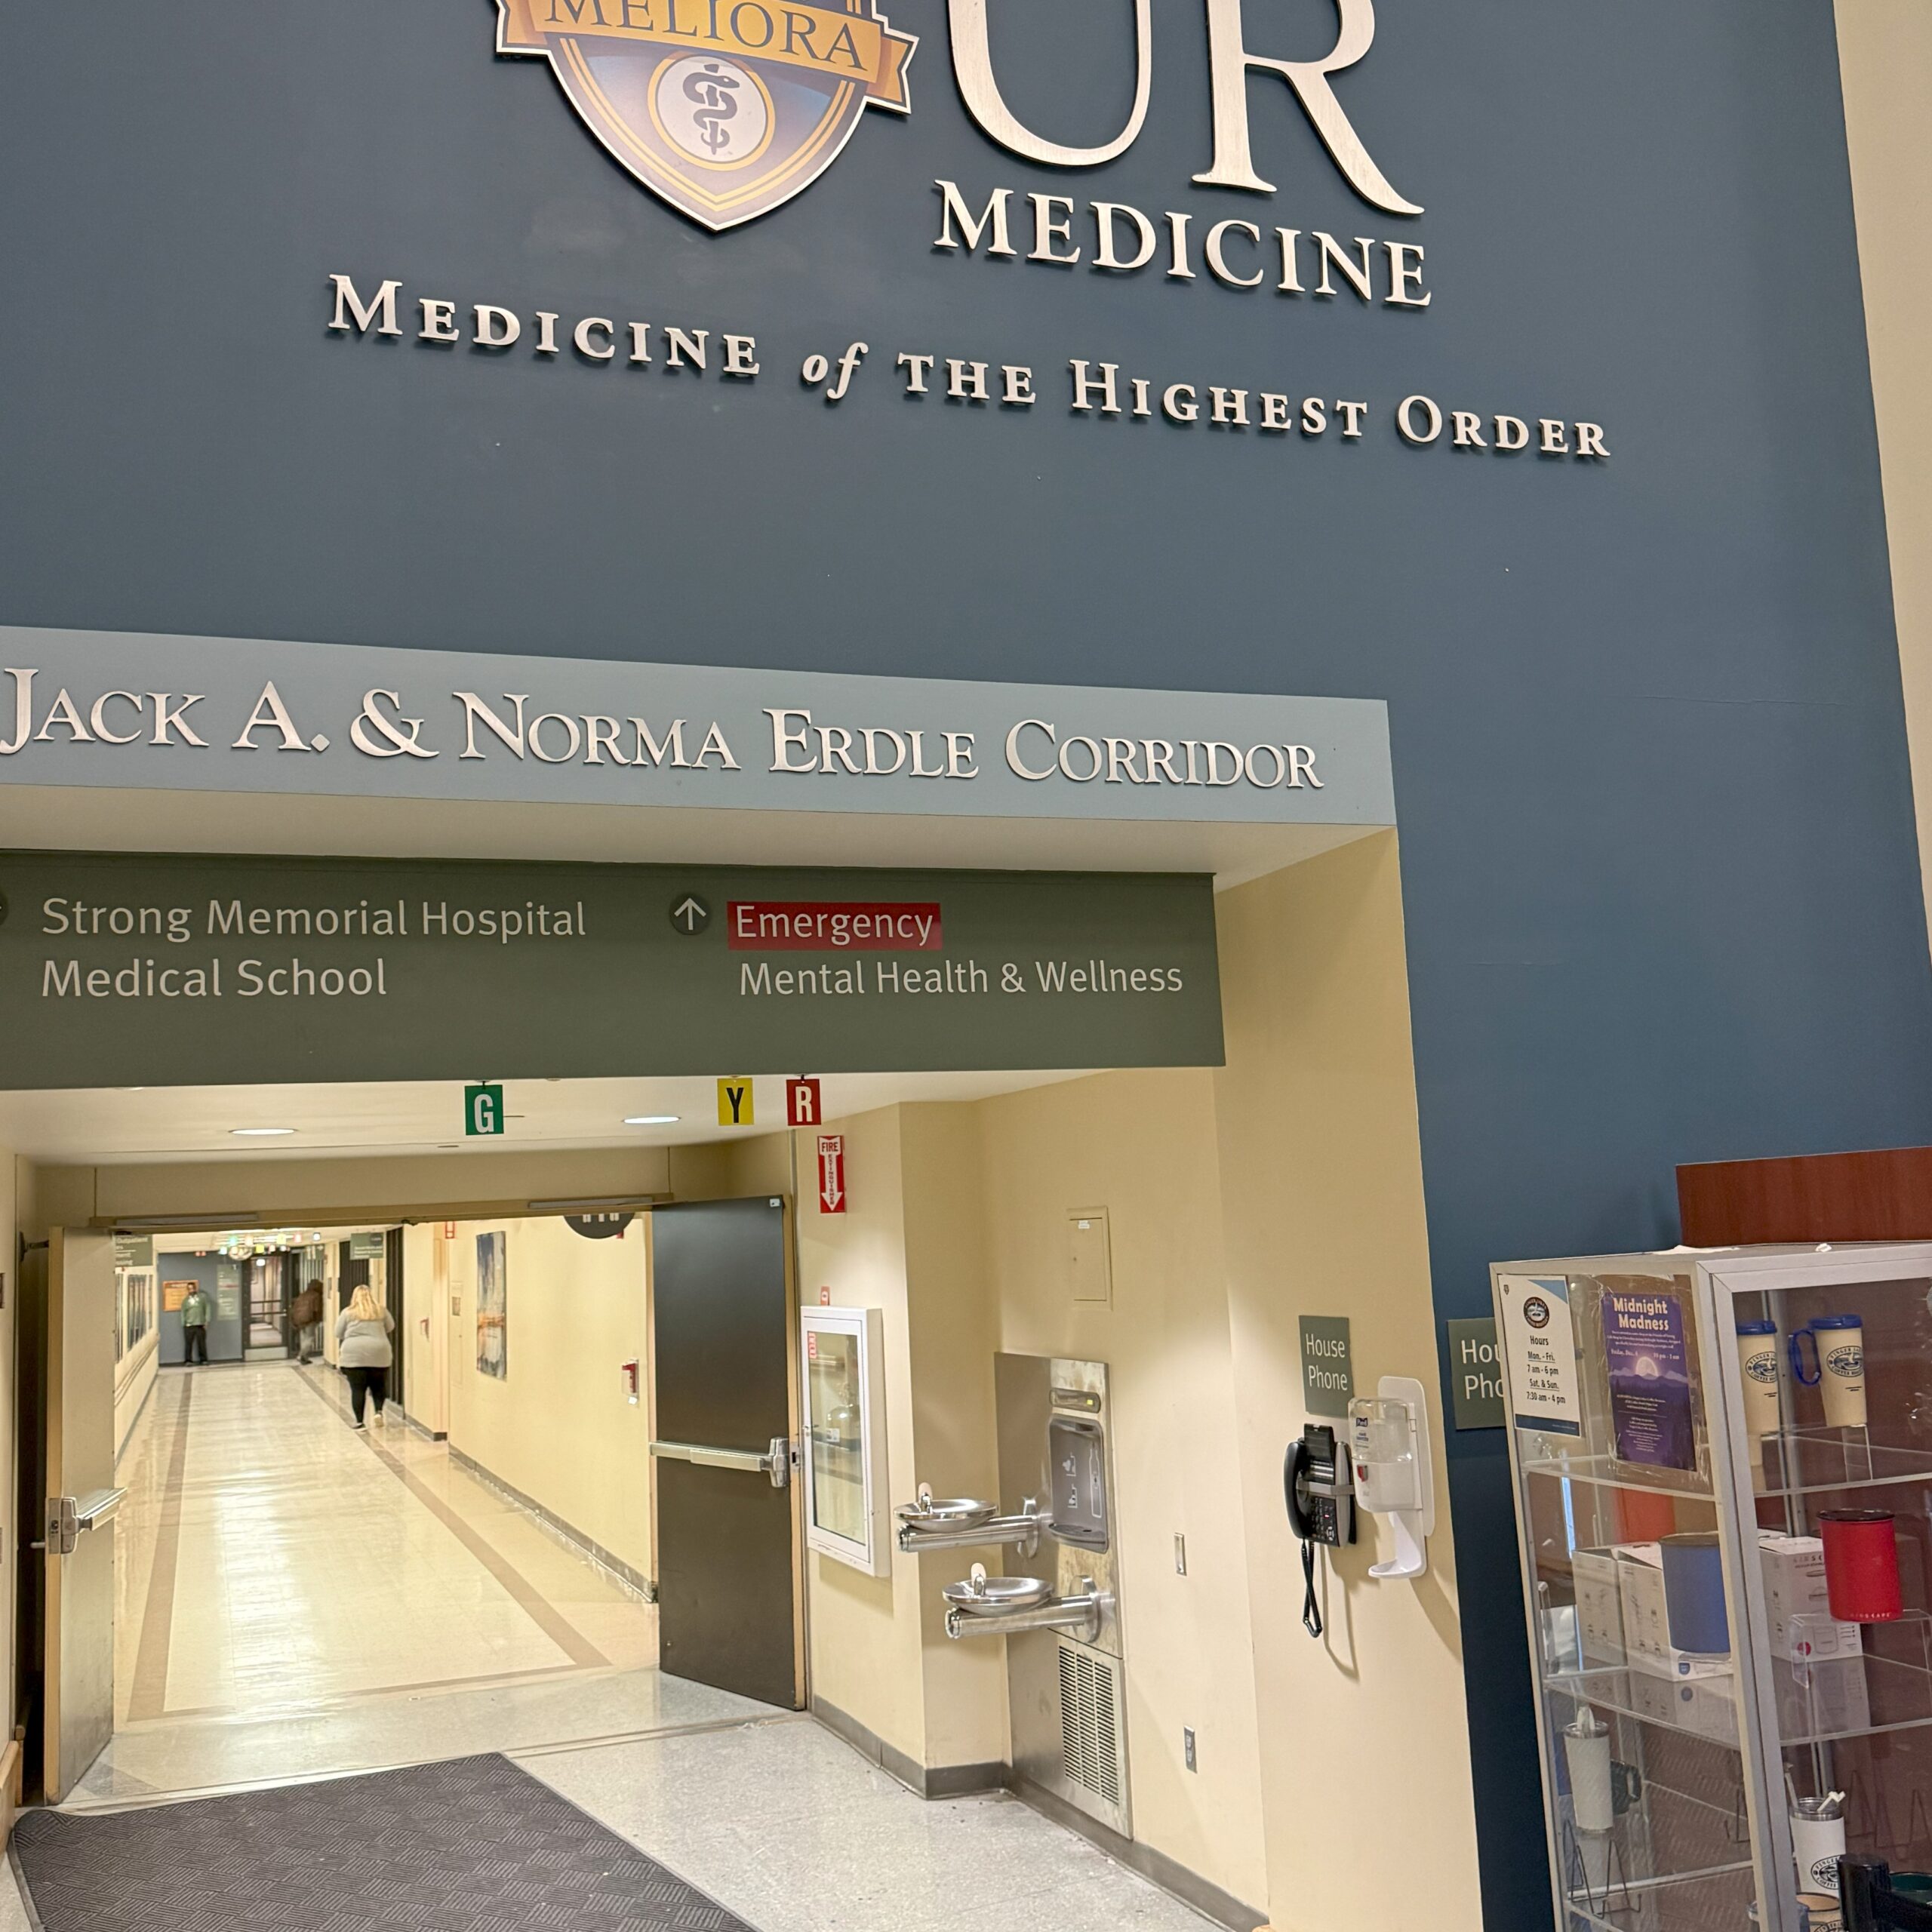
(1885,58)
(1288,1183)
(426,1256)
(1322,1187)
(864,1631)
(1143,1146)
(558,1427)
(953,1332)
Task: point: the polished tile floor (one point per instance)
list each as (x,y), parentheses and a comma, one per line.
(795,1833)
(297,1601)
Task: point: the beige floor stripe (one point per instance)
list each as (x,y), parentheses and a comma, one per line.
(535,1605)
(148,1697)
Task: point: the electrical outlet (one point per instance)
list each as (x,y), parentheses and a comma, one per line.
(1187,1749)
(1180,1556)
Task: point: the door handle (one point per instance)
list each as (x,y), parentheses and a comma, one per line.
(775,1462)
(68,1516)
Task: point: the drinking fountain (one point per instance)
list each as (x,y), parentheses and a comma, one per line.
(963,1522)
(984,1606)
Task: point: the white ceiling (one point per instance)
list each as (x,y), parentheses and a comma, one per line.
(103,1126)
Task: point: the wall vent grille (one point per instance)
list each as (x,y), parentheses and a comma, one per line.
(1089,1742)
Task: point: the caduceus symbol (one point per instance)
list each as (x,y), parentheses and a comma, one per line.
(712,90)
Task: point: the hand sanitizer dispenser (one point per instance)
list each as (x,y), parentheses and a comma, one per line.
(1389,1444)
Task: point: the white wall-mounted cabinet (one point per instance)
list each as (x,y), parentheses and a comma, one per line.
(845,1472)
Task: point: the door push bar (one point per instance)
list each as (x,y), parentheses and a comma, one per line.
(67,1516)
(775,1462)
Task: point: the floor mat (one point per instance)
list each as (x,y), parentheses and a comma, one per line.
(476,1845)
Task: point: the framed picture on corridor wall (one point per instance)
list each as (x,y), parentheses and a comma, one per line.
(493,1304)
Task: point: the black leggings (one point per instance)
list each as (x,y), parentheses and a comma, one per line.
(364,1382)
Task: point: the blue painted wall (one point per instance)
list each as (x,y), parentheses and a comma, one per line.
(1661,883)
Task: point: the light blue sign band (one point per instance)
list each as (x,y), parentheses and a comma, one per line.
(111,708)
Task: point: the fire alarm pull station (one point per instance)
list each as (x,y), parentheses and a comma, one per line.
(628,1370)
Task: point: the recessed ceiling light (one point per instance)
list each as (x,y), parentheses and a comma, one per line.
(260,1133)
(650,1120)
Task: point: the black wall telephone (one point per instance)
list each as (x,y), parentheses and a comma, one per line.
(1316,1487)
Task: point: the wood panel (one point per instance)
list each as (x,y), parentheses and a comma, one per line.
(1884,1194)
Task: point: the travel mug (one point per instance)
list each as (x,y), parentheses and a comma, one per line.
(1837,1349)
(1586,1751)
(1758,1365)
(1817,1841)
(1693,1592)
(1861,1565)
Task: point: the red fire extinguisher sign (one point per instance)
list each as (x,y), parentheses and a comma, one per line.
(832,1173)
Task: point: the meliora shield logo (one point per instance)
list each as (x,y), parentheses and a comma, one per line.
(723,108)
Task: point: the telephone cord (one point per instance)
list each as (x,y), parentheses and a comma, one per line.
(1311,1611)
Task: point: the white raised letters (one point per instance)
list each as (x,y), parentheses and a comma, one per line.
(1229,62)
(973,67)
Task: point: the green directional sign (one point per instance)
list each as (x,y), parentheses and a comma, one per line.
(482,1110)
(223,970)
(1327,1364)
(1475,1382)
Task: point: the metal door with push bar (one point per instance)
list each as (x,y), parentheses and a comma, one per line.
(729,1581)
(68,1517)
(775,1463)
(67,1573)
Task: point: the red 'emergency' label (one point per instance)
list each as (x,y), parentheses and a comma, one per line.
(770,925)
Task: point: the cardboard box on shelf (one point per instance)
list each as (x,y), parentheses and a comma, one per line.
(1706,1705)
(1646,1626)
(1796,1603)
(1599,1607)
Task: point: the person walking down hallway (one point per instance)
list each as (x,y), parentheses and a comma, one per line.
(362,1335)
(195,1313)
(305,1316)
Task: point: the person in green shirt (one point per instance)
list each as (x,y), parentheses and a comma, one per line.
(195,1313)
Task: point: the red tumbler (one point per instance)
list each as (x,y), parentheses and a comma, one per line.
(1861,1565)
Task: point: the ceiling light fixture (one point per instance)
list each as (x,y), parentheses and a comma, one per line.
(260,1133)
(650,1120)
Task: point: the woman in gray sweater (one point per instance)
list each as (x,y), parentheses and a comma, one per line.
(363,1349)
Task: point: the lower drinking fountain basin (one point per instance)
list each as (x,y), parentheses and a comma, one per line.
(990,1596)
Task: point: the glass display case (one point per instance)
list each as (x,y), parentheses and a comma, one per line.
(1722,1462)
(845,1470)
